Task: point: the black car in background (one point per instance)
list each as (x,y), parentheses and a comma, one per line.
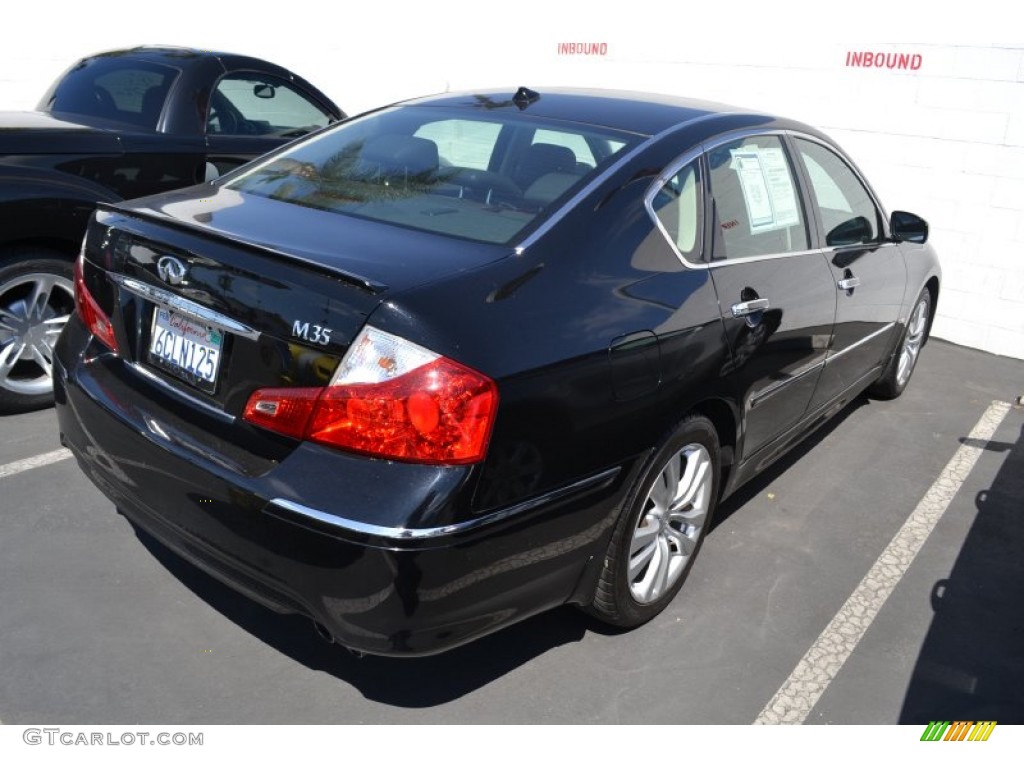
(466,358)
(117,125)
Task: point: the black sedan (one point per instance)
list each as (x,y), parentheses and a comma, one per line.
(465,358)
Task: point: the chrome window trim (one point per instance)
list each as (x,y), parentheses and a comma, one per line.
(763,257)
(576,199)
(662,179)
(689,156)
(594,482)
(884,235)
(185,306)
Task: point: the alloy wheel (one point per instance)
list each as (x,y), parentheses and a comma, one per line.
(669,527)
(34,309)
(913,342)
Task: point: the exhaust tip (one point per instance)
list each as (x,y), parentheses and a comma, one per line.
(325,634)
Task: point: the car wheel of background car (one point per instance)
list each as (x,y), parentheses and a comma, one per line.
(37,297)
(897,374)
(661,528)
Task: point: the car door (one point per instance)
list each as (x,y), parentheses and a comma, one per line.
(867,268)
(776,295)
(251,113)
(130,97)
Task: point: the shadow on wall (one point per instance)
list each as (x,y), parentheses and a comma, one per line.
(971,665)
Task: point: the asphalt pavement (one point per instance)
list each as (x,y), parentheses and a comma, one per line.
(806,583)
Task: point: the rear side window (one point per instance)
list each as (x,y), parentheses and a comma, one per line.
(116,89)
(757,204)
(848,214)
(677,206)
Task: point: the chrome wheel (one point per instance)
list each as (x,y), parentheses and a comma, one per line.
(671,523)
(912,343)
(34,308)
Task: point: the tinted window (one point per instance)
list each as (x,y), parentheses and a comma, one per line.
(848,214)
(250,104)
(756,200)
(399,166)
(677,206)
(118,89)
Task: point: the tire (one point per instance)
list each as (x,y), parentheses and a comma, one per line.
(37,297)
(661,547)
(897,374)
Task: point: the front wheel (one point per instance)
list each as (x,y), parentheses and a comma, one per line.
(37,297)
(897,374)
(661,528)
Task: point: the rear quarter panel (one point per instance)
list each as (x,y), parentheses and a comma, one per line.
(598,336)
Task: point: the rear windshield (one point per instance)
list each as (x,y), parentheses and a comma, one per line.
(121,90)
(479,177)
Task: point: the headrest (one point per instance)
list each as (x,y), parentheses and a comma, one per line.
(397,155)
(551,157)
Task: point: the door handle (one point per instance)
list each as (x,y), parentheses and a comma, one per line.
(745,308)
(848,283)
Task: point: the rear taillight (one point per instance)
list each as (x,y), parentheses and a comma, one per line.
(389,398)
(89,310)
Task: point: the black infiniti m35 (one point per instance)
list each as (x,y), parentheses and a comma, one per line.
(462,359)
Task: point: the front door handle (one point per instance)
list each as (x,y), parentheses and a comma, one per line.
(745,308)
(848,283)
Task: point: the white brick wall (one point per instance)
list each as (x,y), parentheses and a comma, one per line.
(945,141)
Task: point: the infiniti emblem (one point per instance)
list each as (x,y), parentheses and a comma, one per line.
(171,270)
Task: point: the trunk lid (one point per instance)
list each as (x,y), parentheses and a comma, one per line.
(276,291)
(378,255)
(39,133)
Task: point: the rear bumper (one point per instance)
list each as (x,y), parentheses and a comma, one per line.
(351,542)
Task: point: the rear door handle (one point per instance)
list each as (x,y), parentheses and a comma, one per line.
(848,283)
(745,308)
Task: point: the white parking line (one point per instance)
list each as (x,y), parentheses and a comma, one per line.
(35,461)
(795,699)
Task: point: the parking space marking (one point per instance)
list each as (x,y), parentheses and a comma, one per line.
(35,461)
(797,696)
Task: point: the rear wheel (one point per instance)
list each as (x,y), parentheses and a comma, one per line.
(37,297)
(915,334)
(661,528)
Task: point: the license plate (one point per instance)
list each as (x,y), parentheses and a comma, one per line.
(186,348)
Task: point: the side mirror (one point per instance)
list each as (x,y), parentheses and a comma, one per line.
(850,232)
(908,227)
(263,91)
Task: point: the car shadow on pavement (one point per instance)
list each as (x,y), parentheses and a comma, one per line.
(429,681)
(755,487)
(402,682)
(971,664)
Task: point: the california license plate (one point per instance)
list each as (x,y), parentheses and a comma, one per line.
(186,348)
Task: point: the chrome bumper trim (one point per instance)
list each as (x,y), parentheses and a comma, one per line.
(594,482)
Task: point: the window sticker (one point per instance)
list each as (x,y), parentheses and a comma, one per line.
(767,188)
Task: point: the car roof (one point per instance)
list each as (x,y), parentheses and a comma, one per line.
(185,58)
(158,53)
(643,113)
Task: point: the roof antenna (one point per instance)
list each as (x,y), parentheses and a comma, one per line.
(525,97)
